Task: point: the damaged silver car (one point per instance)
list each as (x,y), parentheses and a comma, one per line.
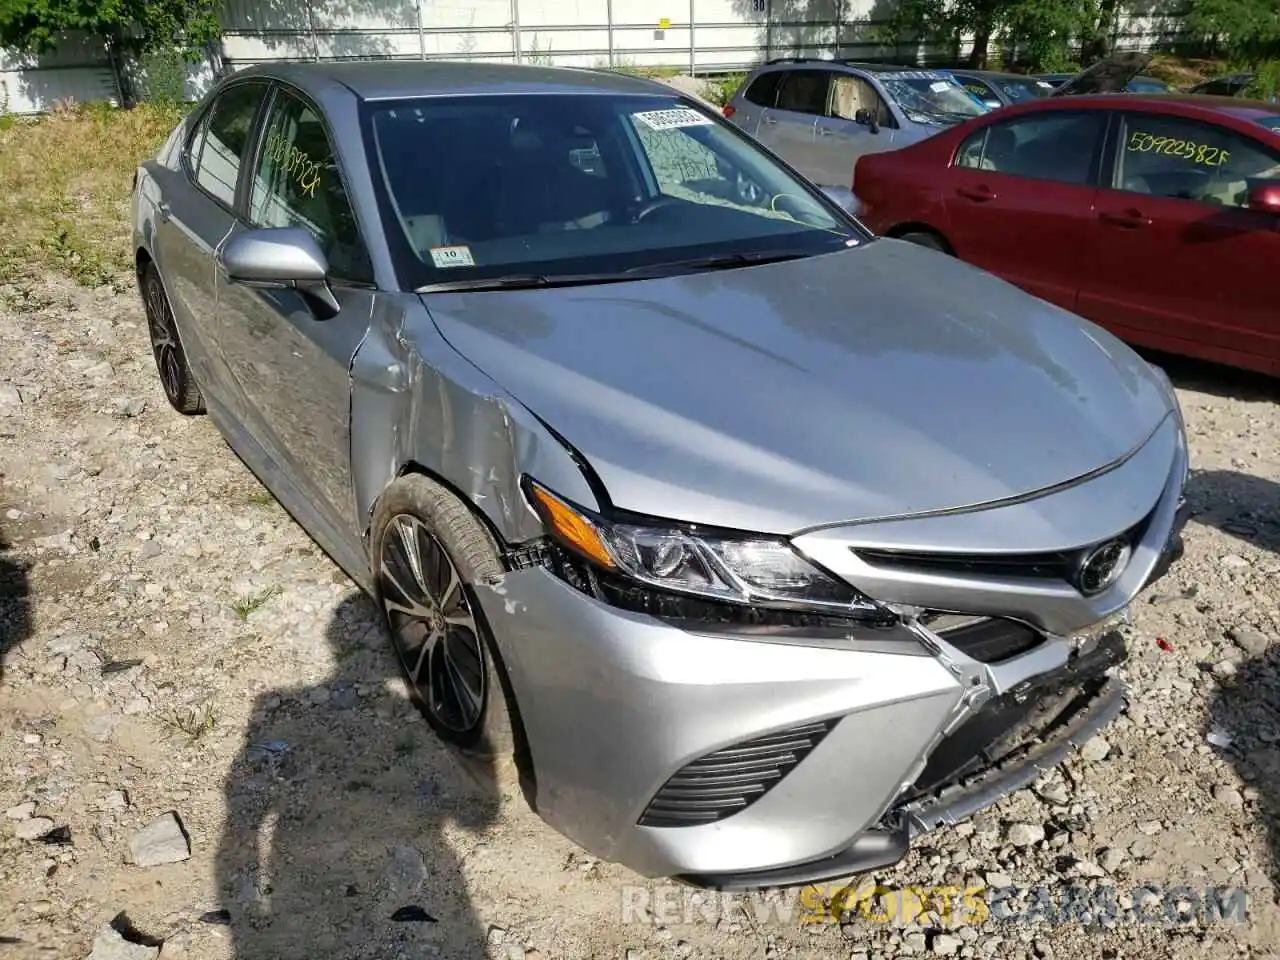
(762,545)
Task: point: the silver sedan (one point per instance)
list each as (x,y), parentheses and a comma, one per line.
(762,545)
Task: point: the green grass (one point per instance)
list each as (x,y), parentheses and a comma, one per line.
(193,724)
(250,603)
(65,181)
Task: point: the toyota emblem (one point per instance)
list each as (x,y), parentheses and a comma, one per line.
(1102,566)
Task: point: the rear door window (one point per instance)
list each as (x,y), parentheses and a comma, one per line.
(1060,146)
(219,149)
(805,91)
(763,91)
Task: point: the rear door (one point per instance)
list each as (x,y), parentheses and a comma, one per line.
(1176,260)
(788,128)
(839,140)
(1019,198)
(197,213)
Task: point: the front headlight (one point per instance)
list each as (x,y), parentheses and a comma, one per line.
(737,569)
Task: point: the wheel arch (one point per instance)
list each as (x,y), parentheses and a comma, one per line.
(418,406)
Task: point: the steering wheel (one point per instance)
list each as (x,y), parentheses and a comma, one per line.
(657,203)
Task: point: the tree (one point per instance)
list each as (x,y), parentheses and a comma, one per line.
(1040,31)
(133,27)
(1248,31)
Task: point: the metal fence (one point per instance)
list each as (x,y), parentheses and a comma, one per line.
(694,36)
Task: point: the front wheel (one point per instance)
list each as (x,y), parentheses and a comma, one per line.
(429,553)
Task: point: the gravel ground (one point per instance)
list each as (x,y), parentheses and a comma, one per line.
(200,724)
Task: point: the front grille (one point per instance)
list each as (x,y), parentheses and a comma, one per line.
(730,780)
(1050,565)
(1008,725)
(991,640)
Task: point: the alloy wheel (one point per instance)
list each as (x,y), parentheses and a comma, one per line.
(437,636)
(164,340)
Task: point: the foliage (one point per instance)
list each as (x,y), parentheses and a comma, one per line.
(136,26)
(67,179)
(1247,31)
(1266,81)
(720,90)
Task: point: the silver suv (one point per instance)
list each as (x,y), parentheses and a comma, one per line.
(822,115)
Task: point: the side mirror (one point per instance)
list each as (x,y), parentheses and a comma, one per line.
(281,258)
(1266,198)
(866,118)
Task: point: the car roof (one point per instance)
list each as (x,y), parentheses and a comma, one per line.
(1192,104)
(394,79)
(995,75)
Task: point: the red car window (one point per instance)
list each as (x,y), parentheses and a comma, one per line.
(1185,159)
(1058,145)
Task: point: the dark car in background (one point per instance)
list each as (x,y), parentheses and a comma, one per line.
(1230,85)
(1157,217)
(997,89)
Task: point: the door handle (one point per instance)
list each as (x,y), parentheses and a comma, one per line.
(824,132)
(768,120)
(976,194)
(1125,219)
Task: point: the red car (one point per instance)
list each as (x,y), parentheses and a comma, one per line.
(1157,217)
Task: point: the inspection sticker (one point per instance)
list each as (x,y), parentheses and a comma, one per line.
(940,86)
(452,257)
(672,119)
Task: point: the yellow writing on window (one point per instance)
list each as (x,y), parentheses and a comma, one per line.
(1188,150)
(294,162)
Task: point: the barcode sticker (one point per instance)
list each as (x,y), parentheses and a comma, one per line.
(672,119)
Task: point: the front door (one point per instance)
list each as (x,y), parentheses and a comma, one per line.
(292,361)
(840,139)
(788,128)
(1019,199)
(1176,259)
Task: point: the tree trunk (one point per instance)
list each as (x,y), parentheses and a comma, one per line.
(1098,44)
(120,70)
(981,44)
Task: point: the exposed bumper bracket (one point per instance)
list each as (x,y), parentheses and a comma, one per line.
(964,800)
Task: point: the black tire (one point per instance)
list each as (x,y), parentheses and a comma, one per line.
(179,383)
(462,663)
(925,239)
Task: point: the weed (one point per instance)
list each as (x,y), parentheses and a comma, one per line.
(67,177)
(192,724)
(251,602)
(261,498)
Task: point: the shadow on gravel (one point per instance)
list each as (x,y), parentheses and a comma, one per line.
(1240,504)
(1215,379)
(1247,710)
(334,843)
(15,602)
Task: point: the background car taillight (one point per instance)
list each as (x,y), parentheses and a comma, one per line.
(728,110)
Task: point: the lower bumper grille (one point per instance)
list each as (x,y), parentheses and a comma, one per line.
(989,640)
(730,780)
(1019,720)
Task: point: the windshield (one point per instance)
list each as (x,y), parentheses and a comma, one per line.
(925,95)
(1019,89)
(570,184)
(1147,85)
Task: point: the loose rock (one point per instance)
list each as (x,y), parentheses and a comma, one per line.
(110,945)
(161,841)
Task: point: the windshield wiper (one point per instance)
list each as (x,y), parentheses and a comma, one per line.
(528,281)
(721,261)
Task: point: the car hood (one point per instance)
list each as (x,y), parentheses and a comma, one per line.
(1111,75)
(881,381)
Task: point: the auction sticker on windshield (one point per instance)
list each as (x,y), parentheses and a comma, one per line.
(672,119)
(452,257)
